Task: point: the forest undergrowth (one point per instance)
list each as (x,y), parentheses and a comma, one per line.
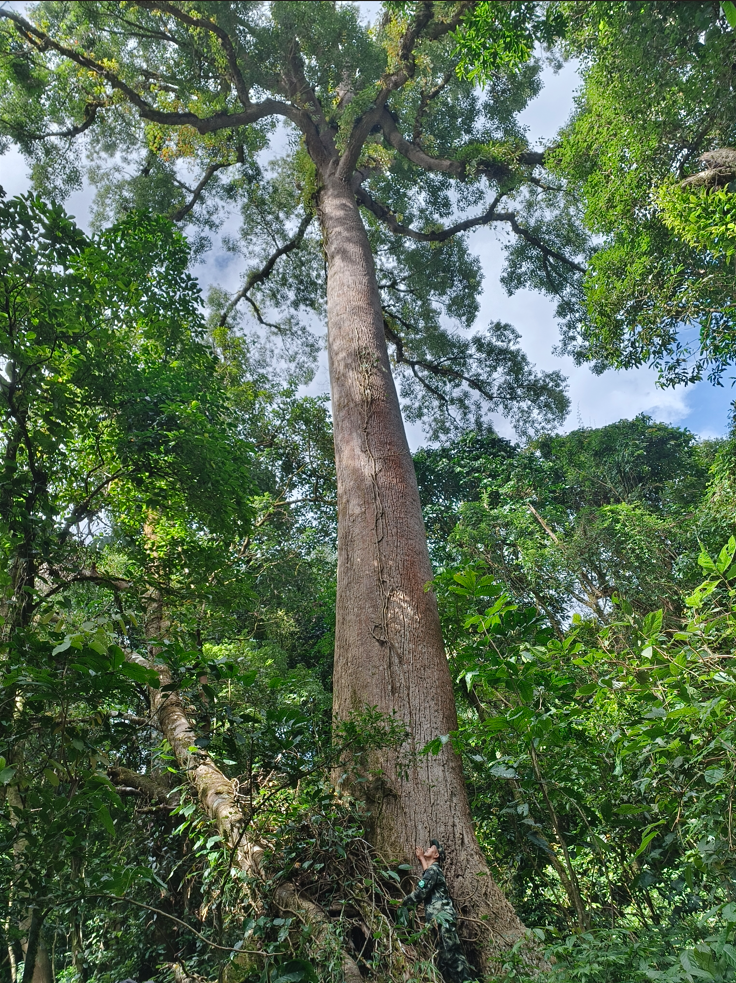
(601,764)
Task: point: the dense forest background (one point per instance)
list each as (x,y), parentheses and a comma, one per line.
(178,800)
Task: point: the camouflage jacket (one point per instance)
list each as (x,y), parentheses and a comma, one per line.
(432,891)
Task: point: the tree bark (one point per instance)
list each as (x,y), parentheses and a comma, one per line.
(37,965)
(36,962)
(389,651)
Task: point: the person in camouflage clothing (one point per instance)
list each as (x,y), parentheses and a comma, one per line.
(439,912)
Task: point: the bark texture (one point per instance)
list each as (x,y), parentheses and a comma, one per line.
(389,651)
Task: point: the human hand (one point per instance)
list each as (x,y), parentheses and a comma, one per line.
(418,852)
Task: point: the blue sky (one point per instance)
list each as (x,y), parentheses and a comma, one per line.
(595,400)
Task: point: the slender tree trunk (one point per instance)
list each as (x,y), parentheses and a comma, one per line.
(574,891)
(389,651)
(36,962)
(37,965)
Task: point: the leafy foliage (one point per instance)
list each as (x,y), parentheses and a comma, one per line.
(166,492)
(602,764)
(656,99)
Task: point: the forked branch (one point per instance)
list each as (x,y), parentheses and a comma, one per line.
(446,165)
(442,235)
(423,26)
(202,23)
(88,118)
(434,368)
(209,124)
(438,235)
(259,276)
(196,193)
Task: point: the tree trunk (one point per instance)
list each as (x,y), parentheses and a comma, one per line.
(389,651)
(37,965)
(36,962)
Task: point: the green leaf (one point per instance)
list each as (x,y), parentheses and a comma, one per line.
(706,563)
(726,555)
(587,689)
(647,836)
(51,776)
(294,971)
(105,818)
(139,674)
(652,624)
(687,959)
(729,10)
(500,770)
(714,775)
(7,773)
(728,912)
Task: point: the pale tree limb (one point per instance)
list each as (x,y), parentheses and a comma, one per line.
(423,26)
(217,797)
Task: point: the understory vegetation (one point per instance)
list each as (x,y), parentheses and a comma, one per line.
(596,728)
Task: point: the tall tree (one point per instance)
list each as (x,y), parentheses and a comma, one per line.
(397,157)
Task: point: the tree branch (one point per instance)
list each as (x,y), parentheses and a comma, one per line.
(425,99)
(424,25)
(145,784)
(209,124)
(164,914)
(302,93)
(81,509)
(90,114)
(442,235)
(196,193)
(90,576)
(547,251)
(208,25)
(445,165)
(443,371)
(259,276)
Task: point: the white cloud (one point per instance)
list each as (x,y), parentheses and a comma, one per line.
(13,173)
